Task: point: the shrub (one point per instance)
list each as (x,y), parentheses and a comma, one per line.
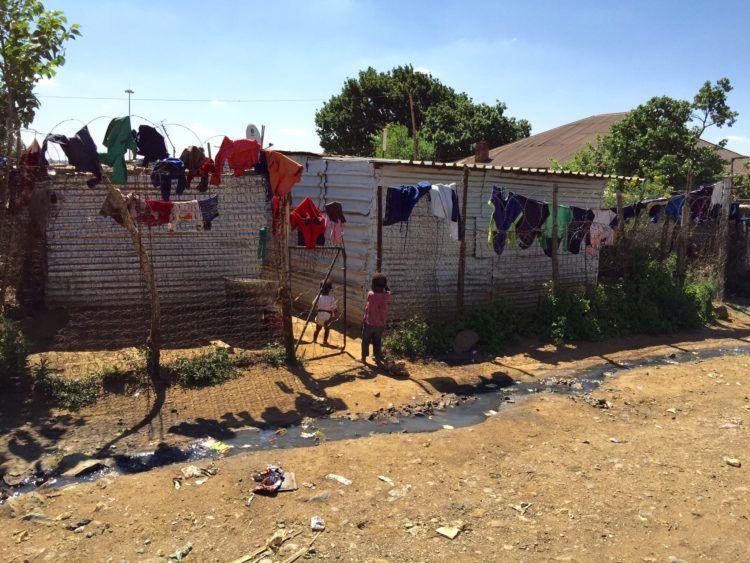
(274,354)
(568,316)
(65,392)
(14,350)
(211,368)
(407,339)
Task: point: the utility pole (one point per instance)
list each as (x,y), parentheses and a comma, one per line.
(129,92)
(415,138)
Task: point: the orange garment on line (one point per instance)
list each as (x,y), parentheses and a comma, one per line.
(240,155)
(283,172)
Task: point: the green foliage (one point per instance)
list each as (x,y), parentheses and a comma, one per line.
(32,43)
(567,316)
(211,368)
(660,140)
(450,121)
(407,339)
(71,394)
(274,354)
(14,350)
(400,145)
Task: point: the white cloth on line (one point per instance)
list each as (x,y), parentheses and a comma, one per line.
(443,199)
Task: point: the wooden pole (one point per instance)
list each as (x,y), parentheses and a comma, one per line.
(682,243)
(414,134)
(555,266)
(621,230)
(379,243)
(462,243)
(723,235)
(346,320)
(286,282)
(154,337)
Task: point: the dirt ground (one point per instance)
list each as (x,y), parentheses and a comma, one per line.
(552,478)
(35,436)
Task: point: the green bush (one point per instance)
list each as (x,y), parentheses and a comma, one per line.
(407,339)
(14,350)
(274,355)
(211,368)
(567,316)
(62,391)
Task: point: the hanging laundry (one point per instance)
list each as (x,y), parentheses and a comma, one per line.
(193,157)
(208,174)
(21,181)
(529,226)
(157,212)
(209,211)
(506,212)
(600,232)
(700,203)
(133,204)
(150,144)
(80,151)
(444,201)
(165,172)
(400,202)
(3,161)
(262,240)
(564,218)
(673,208)
(118,139)
(579,228)
(240,155)
(717,194)
(320,241)
(628,212)
(335,220)
(308,219)
(261,167)
(186,211)
(283,172)
(652,206)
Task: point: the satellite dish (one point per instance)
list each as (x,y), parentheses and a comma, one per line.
(252,132)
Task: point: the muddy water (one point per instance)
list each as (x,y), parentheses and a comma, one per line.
(489,400)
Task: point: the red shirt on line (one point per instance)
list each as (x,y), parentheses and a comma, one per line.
(376,308)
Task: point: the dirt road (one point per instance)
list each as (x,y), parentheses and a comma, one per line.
(653,478)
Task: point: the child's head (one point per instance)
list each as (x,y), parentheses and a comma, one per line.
(379,283)
(326,288)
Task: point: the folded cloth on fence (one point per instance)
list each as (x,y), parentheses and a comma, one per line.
(444,203)
(193,158)
(628,212)
(157,212)
(308,220)
(564,218)
(283,172)
(133,204)
(506,212)
(717,194)
(399,202)
(578,229)
(209,210)
(118,139)
(165,172)
(80,150)
(652,206)
(239,155)
(335,222)
(673,208)
(529,226)
(600,232)
(186,211)
(150,144)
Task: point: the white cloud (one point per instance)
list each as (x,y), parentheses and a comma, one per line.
(45,82)
(424,70)
(738,138)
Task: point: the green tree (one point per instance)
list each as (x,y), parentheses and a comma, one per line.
(32,41)
(399,144)
(348,121)
(660,141)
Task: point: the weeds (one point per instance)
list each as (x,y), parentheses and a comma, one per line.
(211,368)
(274,355)
(65,392)
(14,351)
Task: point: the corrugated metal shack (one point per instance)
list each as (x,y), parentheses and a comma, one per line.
(419,258)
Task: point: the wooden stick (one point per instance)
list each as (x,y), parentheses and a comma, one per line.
(296,555)
(286,282)
(379,247)
(462,243)
(555,266)
(315,302)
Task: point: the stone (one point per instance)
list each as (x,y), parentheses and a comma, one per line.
(465,341)
(449,532)
(733,462)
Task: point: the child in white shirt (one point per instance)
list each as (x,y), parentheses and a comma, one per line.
(326,308)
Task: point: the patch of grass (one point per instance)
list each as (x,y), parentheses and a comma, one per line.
(211,368)
(14,350)
(65,392)
(274,355)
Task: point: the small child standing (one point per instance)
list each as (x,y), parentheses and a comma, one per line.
(326,309)
(376,311)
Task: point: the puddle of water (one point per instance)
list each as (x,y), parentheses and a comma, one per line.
(462,415)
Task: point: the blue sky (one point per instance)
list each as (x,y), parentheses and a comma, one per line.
(550,62)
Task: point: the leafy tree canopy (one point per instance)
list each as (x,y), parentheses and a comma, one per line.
(400,145)
(659,141)
(451,121)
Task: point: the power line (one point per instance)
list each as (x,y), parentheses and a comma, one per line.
(201,100)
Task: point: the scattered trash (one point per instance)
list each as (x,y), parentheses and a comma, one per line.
(339,478)
(281,431)
(181,553)
(249,500)
(270,480)
(386,480)
(199,482)
(521,508)
(317,524)
(449,532)
(397,493)
(216,445)
(448,427)
(190,471)
(314,434)
(729,425)
(289,483)
(309,485)
(597,403)
(733,462)
(616,441)
(273,544)
(672,411)
(490,413)
(177,483)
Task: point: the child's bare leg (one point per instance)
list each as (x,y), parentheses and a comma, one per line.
(317,332)
(326,332)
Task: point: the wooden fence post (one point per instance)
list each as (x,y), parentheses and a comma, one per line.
(462,243)
(379,247)
(555,265)
(286,283)
(723,235)
(682,243)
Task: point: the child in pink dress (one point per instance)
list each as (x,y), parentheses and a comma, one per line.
(376,311)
